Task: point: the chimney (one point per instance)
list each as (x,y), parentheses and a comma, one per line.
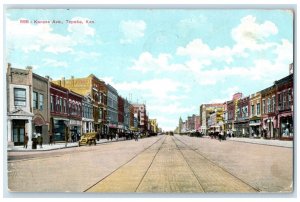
(72,80)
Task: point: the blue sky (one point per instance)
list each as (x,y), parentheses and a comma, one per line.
(172,59)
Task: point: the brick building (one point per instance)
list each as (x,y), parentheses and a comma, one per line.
(95,89)
(19,106)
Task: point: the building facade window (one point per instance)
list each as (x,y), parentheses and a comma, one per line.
(20,97)
(258,109)
(252,110)
(290,102)
(273,103)
(35,100)
(269,105)
(284,101)
(41,102)
(264,106)
(51,103)
(60,104)
(65,106)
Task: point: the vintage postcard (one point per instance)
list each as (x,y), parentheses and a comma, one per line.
(150,100)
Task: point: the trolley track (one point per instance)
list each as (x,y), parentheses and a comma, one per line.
(212,162)
(130,160)
(188,165)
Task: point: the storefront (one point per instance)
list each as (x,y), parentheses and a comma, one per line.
(255,127)
(269,125)
(286,126)
(19,123)
(75,130)
(60,127)
(242,129)
(87,125)
(41,127)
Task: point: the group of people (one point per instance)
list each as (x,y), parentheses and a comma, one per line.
(221,135)
(37,139)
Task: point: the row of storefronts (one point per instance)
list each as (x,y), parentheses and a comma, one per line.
(63,110)
(266,114)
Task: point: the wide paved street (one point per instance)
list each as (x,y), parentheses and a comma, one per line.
(156,165)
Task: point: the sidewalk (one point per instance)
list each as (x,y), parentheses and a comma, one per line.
(279,143)
(60,145)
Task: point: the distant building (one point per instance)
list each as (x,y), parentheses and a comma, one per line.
(269,118)
(242,117)
(140,111)
(112,108)
(205,111)
(255,115)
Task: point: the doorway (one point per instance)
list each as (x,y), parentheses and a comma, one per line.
(18,132)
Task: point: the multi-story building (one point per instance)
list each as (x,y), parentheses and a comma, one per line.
(242,117)
(75,114)
(121,114)
(96,89)
(180,125)
(255,115)
(205,111)
(140,110)
(285,98)
(269,118)
(40,105)
(87,114)
(197,123)
(126,115)
(19,109)
(231,112)
(59,121)
(132,119)
(153,125)
(112,108)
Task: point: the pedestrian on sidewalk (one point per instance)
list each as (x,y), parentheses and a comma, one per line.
(25,140)
(40,140)
(220,135)
(50,139)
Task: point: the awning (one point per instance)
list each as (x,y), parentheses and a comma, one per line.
(38,121)
(254,124)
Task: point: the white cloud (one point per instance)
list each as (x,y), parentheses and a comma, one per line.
(157,88)
(40,37)
(228,93)
(198,50)
(147,63)
(171,108)
(252,35)
(54,63)
(284,52)
(132,30)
